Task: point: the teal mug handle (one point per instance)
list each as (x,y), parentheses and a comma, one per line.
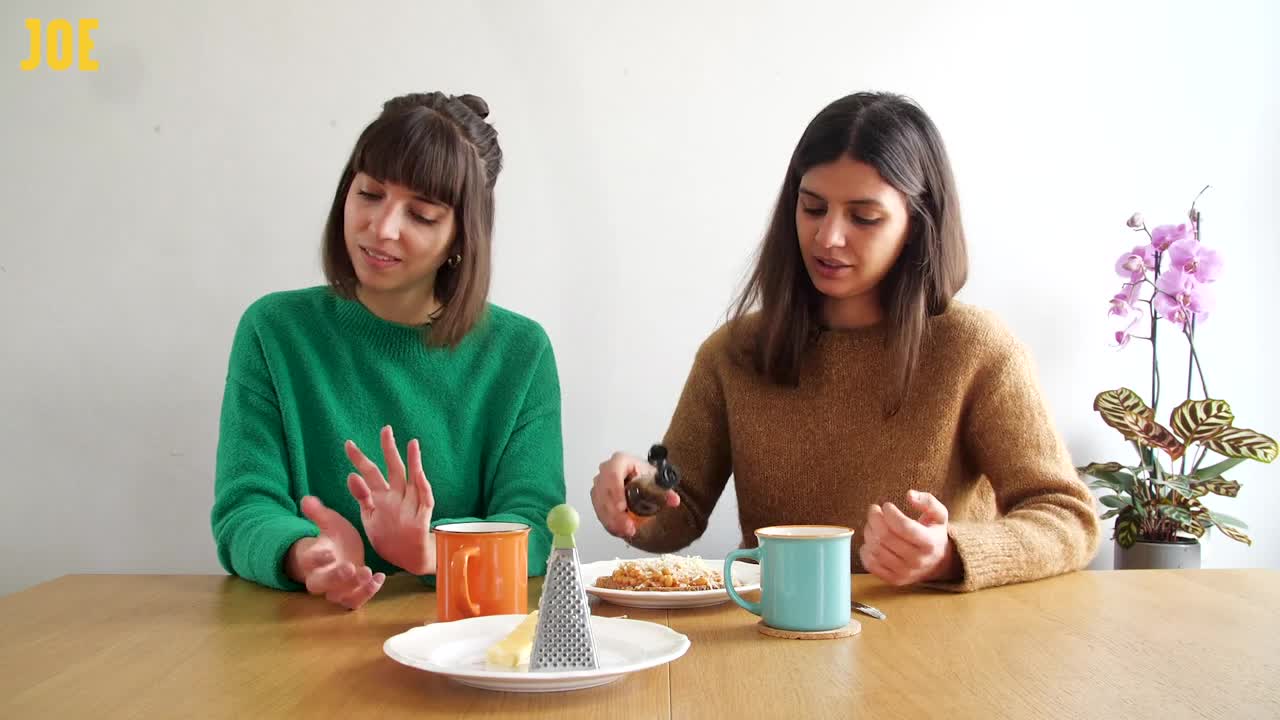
(752,554)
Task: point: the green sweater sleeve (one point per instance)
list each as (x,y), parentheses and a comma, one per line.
(255,517)
(529,476)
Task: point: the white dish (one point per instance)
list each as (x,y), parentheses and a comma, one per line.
(457,650)
(745,575)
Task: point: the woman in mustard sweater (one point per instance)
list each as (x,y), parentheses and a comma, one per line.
(402,337)
(848,381)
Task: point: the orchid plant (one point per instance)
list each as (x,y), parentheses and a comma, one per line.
(1168,281)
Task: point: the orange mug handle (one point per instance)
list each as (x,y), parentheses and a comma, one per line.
(458,580)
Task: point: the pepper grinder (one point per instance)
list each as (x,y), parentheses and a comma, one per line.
(647,492)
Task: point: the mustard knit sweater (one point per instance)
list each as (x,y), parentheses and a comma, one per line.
(973,430)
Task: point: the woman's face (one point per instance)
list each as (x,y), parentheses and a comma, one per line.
(397,239)
(851,226)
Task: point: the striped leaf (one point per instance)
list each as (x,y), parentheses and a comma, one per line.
(1110,514)
(1137,426)
(1218,486)
(1096,468)
(1127,527)
(1241,443)
(1197,420)
(1231,527)
(1123,400)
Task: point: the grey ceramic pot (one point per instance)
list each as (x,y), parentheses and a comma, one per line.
(1184,553)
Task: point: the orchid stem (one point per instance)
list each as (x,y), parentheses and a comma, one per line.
(1155,357)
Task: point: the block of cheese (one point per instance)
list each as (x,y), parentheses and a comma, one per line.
(513,650)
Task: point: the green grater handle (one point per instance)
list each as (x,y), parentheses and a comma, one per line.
(563,521)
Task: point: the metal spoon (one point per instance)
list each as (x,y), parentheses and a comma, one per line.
(867,610)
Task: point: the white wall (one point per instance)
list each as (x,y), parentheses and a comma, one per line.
(146,205)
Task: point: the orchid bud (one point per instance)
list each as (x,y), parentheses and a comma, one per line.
(1135,221)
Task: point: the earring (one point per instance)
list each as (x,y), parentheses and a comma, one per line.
(455,260)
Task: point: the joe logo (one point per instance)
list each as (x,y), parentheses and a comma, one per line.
(60,46)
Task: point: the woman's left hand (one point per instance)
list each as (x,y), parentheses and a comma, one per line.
(396,510)
(902,551)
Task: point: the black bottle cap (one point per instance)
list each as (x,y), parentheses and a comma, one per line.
(668,476)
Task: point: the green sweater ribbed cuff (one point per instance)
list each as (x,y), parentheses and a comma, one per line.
(269,543)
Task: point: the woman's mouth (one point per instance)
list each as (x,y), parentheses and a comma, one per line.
(830,267)
(378,259)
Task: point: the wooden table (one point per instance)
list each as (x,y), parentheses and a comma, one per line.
(1161,644)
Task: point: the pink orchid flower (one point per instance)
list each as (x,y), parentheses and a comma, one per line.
(1166,235)
(1191,257)
(1181,298)
(1134,264)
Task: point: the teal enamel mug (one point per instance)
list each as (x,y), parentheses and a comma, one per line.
(804,577)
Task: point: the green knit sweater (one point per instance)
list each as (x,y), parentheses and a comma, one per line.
(309,370)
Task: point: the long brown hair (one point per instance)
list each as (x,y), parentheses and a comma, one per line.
(441,147)
(895,136)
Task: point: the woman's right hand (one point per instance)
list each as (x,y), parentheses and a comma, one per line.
(332,564)
(609,499)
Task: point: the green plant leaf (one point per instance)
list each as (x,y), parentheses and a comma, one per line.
(1180,515)
(1115,501)
(1241,443)
(1214,471)
(1108,485)
(1177,482)
(1126,532)
(1117,480)
(1110,514)
(1196,420)
(1221,519)
(1218,486)
(1136,425)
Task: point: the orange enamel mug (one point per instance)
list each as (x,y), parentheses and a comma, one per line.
(482,568)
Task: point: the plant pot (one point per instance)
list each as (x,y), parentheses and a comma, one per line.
(1180,554)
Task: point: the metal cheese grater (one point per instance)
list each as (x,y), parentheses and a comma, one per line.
(563,639)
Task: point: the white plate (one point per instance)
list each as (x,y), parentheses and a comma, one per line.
(746,575)
(457,650)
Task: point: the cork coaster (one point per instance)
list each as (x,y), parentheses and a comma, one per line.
(853,628)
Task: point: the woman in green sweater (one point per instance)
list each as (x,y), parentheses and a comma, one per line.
(402,337)
(849,381)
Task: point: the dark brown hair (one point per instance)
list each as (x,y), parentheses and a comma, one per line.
(440,147)
(893,135)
